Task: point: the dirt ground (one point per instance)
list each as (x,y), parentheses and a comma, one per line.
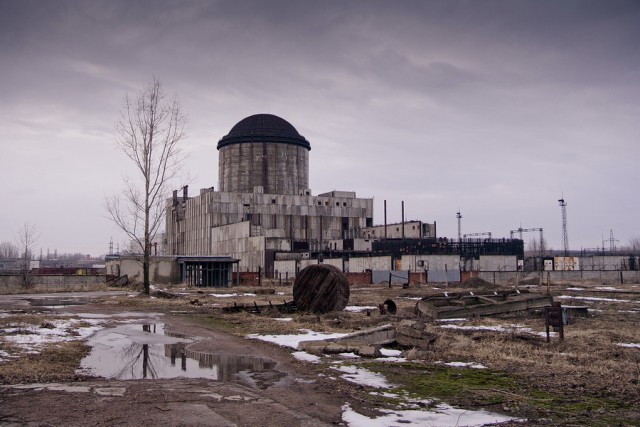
(590,378)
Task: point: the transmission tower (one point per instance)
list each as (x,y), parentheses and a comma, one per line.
(459,216)
(612,241)
(565,237)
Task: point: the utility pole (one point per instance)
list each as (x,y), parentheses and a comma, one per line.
(459,216)
(565,237)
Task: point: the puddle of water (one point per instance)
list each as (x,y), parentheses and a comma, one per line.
(139,351)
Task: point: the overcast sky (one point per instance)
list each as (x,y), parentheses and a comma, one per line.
(493,108)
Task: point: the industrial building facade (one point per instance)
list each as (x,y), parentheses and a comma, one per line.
(264,205)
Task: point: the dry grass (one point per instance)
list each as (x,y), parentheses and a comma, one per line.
(48,289)
(55,362)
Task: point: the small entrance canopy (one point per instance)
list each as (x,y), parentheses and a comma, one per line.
(207,271)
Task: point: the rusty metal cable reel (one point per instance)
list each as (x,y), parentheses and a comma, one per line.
(321,288)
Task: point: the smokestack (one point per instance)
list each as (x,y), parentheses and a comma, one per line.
(403,220)
(385,220)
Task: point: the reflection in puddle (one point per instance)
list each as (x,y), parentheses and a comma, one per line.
(135,351)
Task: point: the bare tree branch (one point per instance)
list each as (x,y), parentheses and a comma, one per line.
(149,133)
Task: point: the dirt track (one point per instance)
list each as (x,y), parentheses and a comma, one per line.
(292,394)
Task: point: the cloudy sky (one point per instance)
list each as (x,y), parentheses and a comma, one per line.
(493,108)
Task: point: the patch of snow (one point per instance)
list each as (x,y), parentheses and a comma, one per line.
(595,299)
(279,293)
(575,289)
(292,340)
(631,345)
(390,352)
(283,319)
(31,337)
(464,365)
(477,328)
(498,328)
(606,288)
(358,309)
(441,415)
(4,355)
(306,357)
(391,359)
(460,319)
(349,355)
(362,376)
(232,295)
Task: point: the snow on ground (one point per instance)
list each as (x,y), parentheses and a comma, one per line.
(292,340)
(30,338)
(391,359)
(498,328)
(596,299)
(463,365)
(390,352)
(575,289)
(460,319)
(362,376)
(348,355)
(232,295)
(441,415)
(283,319)
(630,345)
(606,288)
(359,308)
(306,357)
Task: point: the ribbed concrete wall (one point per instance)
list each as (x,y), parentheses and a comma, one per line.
(312,219)
(278,168)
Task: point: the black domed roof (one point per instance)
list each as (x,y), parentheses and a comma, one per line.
(264,128)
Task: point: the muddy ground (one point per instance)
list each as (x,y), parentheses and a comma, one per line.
(590,378)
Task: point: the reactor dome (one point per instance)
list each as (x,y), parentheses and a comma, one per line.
(264,128)
(263,153)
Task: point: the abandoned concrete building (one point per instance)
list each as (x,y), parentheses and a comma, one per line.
(264,205)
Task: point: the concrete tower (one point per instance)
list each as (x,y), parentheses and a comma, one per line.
(265,151)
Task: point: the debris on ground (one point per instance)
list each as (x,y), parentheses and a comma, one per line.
(471,304)
(414,333)
(321,288)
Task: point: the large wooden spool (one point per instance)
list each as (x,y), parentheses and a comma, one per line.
(321,288)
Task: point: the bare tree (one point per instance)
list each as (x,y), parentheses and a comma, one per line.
(149,133)
(27,237)
(9,250)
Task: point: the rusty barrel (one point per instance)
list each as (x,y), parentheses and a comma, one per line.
(321,288)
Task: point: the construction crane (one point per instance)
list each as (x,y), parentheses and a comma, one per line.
(521,230)
(459,216)
(485,233)
(565,236)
